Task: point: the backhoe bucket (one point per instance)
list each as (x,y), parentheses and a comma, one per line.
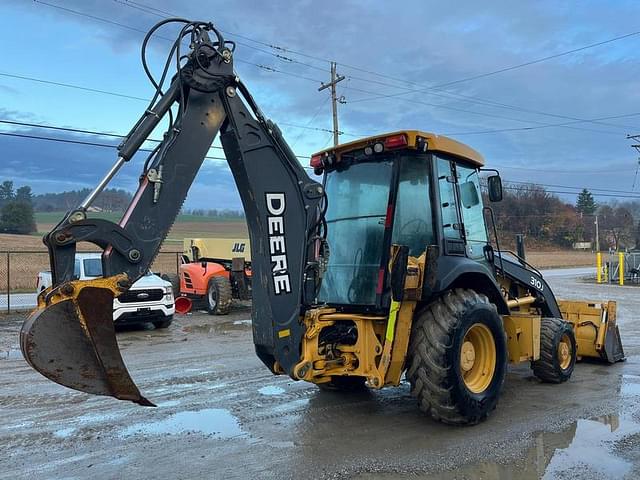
(70,339)
(595,328)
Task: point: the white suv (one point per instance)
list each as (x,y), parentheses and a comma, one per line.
(149,300)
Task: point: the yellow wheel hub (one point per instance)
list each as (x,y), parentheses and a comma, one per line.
(468,356)
(478,358)
(564,352)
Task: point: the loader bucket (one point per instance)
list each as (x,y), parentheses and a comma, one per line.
(595,328)
(70,339)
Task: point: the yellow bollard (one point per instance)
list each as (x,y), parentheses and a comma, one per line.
(598,267)
(621,268)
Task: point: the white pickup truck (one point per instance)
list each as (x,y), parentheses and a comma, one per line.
(149,300)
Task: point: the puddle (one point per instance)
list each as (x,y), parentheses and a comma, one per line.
(215,422)
(271,390)
(64,432)
(11,354)
(630,385)
(220,328)
(602,447)
(206,328)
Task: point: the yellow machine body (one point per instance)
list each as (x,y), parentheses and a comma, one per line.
(216,248)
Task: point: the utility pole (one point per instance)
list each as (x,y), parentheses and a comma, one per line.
(637,147)
(597,235)
(335,78)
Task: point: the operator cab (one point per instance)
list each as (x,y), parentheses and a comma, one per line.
(405,188)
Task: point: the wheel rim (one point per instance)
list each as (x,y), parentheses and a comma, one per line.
(565,352)
(478,358)
(213,301)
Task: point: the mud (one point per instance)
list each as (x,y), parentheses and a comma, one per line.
(221,414)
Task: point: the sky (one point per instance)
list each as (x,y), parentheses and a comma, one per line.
(408,65)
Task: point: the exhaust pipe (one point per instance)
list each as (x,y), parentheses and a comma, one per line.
(183,305)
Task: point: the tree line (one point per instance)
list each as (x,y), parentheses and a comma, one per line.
(16,209)
(545,219)
(214,213)
(109,200)
(548,221)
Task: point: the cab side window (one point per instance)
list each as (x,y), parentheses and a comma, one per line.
(472,211)
(448,201)
(413,224)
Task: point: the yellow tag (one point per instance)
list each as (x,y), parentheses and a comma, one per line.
(284,333)
(391,323)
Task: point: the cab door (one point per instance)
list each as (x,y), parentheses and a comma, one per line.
(452,228)
(475,231)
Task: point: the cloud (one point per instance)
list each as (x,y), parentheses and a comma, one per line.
(50,166)
(426,44)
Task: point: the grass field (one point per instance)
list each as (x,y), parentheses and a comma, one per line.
(186,226)
(25,266)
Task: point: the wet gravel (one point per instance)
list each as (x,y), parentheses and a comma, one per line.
(221,414)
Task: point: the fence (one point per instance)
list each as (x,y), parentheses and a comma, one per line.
(19,272)
(618,267)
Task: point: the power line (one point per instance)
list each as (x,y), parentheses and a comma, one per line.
(107,92)
(513,129)
(93,132)
(559,192)
(113,135)
(502,117)
(517,129)
(308,124)
(165,14)
(520,65)
(92,144)
(68,85)
(591,189)
(129,27)
(273,69)
(106,145)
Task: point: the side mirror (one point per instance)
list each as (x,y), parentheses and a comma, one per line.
(494,184)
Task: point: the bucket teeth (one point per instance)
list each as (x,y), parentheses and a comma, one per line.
(70,339)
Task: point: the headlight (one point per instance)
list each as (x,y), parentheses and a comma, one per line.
(168,290)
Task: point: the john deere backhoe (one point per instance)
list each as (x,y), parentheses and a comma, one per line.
(383,269)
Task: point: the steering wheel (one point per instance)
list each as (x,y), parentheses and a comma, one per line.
(420,226)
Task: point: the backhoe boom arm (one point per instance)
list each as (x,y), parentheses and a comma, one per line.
(281,203)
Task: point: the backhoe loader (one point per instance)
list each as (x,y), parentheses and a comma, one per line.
(383,268)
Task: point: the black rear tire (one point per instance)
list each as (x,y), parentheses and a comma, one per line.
(435,368)
(550,367)
(219,296)
(164,323)
(343,384)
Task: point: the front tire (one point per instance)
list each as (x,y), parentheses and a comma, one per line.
(557,351)
(164,323)
(457,358)
(219,296)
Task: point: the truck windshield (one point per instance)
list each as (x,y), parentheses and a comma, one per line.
(92,267)
(358,199)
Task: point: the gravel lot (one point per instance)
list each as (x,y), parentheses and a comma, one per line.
(222,415)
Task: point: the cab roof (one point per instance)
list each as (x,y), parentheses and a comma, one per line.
(435,143)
